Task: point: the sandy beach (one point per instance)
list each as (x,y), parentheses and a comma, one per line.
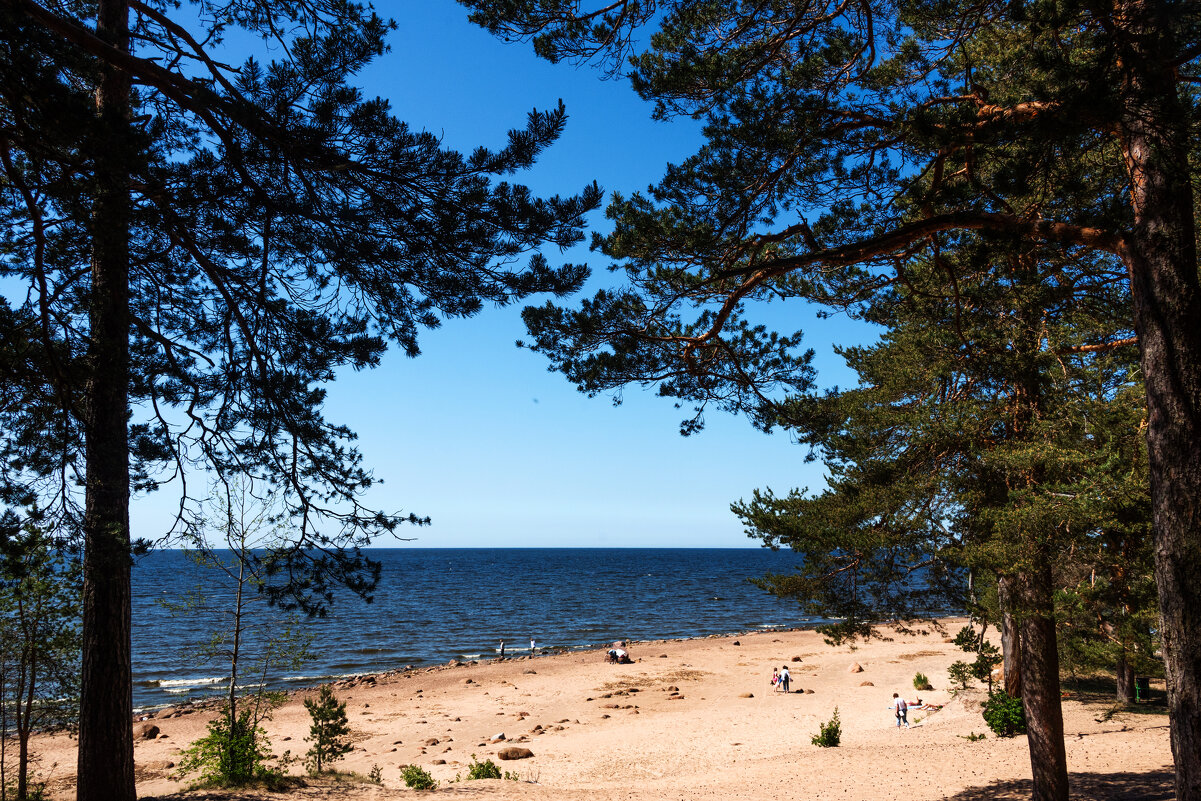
(694,719)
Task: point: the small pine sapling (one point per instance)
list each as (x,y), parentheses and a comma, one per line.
(830,733)
(920,682)
(961,676)
(328,732)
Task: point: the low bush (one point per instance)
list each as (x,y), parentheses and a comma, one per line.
(830,733)
(418,778)
(482,770)
(1004,714)
(920,682)
(232,754)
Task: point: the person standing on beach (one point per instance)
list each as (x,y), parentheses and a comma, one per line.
(775,679)
(902,710)
(533,645)
(502,649)
(785,678)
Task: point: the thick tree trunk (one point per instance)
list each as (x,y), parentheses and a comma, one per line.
(1125,671)
(105,735)
(1162,259)
(1040,683)
(1011,640)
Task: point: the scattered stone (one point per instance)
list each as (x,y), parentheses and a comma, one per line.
(604,716)
(438,762)
(498,736)
(564,720)
(529,672)
(662,656)
(469,681)
(736,643)
(588,699)
(675,698)
(394,742)
(867,684)
(796,659)
(948,639)
(747,695)
(514,753)
(856,668)
(289,738)
(145,731)
(432,741)
(162,737)
(808,692)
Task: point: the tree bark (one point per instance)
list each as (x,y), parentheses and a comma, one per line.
(105,737)
(1162,260)
(1011,640)
(1040,683)
(1125,671)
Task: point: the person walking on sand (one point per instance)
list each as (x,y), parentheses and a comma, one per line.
(785,678)
(775,679)
(502,649)
(901,708)
(533,645)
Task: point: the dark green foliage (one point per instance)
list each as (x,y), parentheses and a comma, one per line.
(482,770)
(829,734)
(961,674)
(328,732)
(1004,714)
(417,778)
(920,682)
(39,647)
(232,754)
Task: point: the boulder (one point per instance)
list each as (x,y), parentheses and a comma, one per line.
(807,692)
(498,737)
(736,643)
(438,762)
(796,659)
(856,668)
(145,731)
(867,684)
(513,752)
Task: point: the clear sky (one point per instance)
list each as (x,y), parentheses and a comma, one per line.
(475,433)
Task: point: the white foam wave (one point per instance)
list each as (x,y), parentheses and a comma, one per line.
(185,683)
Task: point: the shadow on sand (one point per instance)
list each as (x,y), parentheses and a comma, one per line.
(1150,786)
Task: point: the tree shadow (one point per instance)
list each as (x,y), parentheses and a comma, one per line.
(1156,785)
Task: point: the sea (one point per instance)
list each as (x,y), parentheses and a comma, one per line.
(433,605)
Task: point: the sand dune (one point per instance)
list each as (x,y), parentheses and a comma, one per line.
(689,720)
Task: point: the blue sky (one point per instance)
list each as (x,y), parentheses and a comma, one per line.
(475,433)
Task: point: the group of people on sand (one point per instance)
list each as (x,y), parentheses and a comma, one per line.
(901,707)
(780,680)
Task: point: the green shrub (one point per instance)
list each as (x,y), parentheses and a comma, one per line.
(920,682)
(232,754)
(482,770)
(416,777)
(376,774)
(328,732)
(972,737)
(961,675)
(1004,714)
(830,733)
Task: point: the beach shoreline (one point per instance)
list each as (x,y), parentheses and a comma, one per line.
(688,719)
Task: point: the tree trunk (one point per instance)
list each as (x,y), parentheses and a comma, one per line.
(1125,673)
(106,702)
(1162,259)
(1040,683)
(1011,640)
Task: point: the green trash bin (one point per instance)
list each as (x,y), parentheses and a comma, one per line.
(1142,688)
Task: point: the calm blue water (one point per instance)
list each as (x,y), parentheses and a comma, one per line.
(433,605)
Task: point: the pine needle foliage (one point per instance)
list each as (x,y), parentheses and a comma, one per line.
(328,732)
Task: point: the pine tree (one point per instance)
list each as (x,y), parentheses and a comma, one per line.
(200,240)
(845,141)
(329,730)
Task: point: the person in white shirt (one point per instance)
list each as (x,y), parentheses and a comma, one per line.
(901,707)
